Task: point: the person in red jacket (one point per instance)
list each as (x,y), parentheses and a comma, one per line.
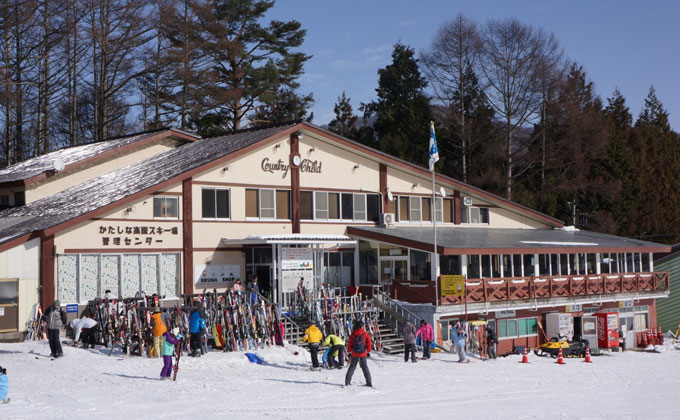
(426,337)
(359,348)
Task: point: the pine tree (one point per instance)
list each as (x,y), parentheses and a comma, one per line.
(345,120)
(402,110)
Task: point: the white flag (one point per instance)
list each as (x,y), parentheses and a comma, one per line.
(434,152)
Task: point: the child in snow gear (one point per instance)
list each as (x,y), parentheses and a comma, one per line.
(170,339)
(84,327)
(195,330)
(4,386)
(426,337)
(313,337)
(458,336)
(359,347)
(56,320)
(409,341)
(159,329)
(337,346)
(491,342)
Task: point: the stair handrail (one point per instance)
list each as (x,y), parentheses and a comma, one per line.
(400,312)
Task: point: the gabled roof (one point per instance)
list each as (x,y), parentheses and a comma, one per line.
(27,171)
(106,192)
(454,240)
(112,190)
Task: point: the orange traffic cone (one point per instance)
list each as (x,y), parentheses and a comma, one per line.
(525,359)
(587,360)
(659,334)
(560,359)
(644,339)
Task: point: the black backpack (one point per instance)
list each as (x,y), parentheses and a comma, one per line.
(359,345)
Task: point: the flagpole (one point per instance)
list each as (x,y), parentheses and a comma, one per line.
(434,157)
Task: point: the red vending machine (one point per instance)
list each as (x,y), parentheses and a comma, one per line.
(607,329)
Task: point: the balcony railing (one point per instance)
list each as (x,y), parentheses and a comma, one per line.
(538,287)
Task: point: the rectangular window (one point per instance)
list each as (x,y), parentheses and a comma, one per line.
(4,202)
(283,204)
(449,264)
(474,215)
(165,207)
(473,266)
(517,265)
(414,209)
(373,207)
(403,209)
(306,205)
(320,205)
(507,266)
(529,268)
(215,203)
(528,326)
(334,206)
(267,207)
(484,215)
(448,210)
(486,265)
(348,206)
(564,264)
(19,198)
(438,209)
(645,262)
(640,322)
(359,207)
(507,328)
(392,206)
(544,264)
(252,203)
(554,264)
(427,209)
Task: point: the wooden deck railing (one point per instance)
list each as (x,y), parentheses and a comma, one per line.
(521,288)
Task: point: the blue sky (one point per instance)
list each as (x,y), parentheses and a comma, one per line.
(631,45)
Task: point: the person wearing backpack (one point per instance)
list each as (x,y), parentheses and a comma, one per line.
(409,341)
(359,348)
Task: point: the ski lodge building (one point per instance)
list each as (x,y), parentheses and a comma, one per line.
(167,212)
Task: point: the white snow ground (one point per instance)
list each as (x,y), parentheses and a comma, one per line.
(87,383)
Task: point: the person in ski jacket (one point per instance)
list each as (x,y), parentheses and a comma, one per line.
(4,386)
(409,341)
(84,327)
(237,287)
(195,330)
(359,347)
(491,342)
(313,337)
(253,289)
(170,339)
(56,320)
(337,347)
(158,329)
(458,337)
(426,336)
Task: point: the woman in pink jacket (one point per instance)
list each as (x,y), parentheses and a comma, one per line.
(427,336)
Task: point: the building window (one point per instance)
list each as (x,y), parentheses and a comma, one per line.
(450,264)
(373,207)
(165,207)
(347,206)
(306,205)
(19,198)
(474,215)
(640,322)
(473,266)
(359,207)
(321,205)
(215,203)
(512,328)
(414,209)
(4,202)
(268,204)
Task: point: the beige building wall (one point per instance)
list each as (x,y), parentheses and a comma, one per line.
(65,180)
(23,262)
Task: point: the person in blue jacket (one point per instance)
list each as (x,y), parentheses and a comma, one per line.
(196,324)
(4,386)
(458,336)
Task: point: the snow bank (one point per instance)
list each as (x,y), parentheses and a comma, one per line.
(83,383)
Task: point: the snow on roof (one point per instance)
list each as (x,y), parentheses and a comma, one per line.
(558,243)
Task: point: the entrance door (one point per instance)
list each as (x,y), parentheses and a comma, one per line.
(393,269)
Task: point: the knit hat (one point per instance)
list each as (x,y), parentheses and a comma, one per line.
(175,331)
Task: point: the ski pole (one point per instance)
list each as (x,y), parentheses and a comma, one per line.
(376,362)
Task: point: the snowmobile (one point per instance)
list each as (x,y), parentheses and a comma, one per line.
(574,348)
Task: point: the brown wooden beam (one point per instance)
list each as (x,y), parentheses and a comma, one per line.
(187,237)
(295,182)
(47,280)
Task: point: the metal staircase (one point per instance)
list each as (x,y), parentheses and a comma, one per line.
(394,317)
